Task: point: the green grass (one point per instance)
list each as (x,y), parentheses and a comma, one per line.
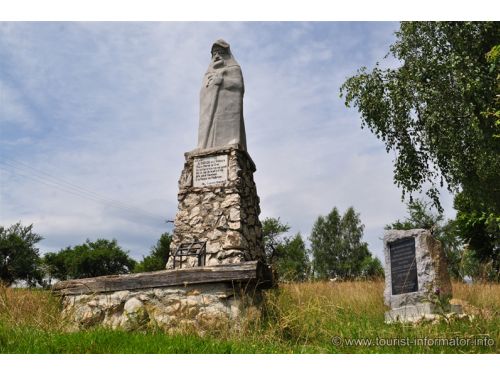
(298,318)
(100,341)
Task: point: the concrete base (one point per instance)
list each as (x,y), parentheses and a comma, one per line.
(414,313)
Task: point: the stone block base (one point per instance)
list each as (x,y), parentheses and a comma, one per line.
(197,307)
(193,298)
(414,313)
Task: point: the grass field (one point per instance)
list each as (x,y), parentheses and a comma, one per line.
(313,317)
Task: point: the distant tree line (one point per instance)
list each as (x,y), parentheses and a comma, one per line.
(20,258)
(336,251)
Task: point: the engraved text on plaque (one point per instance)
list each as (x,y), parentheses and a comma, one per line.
(210,170)
(403,266)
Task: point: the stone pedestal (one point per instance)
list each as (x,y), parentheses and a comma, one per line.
(200,298)
(218,203)
(417,283)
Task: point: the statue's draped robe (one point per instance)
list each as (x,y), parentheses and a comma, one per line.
(221,108)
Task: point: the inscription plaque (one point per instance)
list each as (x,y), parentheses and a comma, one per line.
(403,266)
(210,170)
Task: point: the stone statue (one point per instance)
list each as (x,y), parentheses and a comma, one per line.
(221,101)
(218,206)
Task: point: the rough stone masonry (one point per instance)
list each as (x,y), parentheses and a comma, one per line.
(225,214)
(196,307)
(195,297)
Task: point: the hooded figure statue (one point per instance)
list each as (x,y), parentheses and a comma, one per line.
(221,101)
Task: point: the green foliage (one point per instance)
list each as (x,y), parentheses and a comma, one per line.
(447,233)
(421,216)
(107,341)
(273,234)
(19,258)
(471,242)
(371,268)
(158,257)
(336,245)
(293,263)
(435,110)
(480,230)
(91,259)
(493,58)
(286,255)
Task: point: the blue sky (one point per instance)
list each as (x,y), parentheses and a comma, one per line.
(95,119)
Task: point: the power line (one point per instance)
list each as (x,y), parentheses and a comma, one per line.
(97,199)
(74,192)
(48,179)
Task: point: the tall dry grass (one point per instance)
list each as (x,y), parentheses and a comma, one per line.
(308,313)
(298,317)
(29,308)
(307,305)
(480,295)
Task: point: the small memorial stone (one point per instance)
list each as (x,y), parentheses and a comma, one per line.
(417,283)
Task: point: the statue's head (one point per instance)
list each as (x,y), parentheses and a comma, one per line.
(220,46)
(220,53)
